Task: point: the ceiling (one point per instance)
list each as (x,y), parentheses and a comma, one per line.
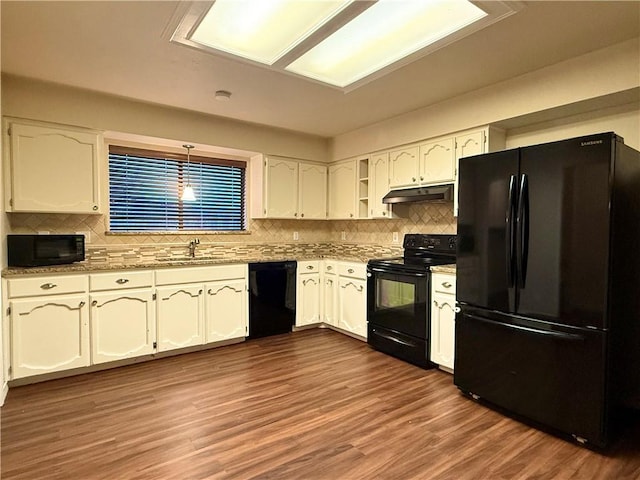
(124,49)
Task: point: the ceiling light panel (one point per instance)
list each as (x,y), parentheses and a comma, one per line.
(383,34)
(263,30)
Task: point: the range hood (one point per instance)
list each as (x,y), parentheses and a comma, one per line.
(420,194)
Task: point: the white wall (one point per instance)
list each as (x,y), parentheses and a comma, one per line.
(580,82)
(27,98)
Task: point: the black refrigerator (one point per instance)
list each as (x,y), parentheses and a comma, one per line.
(548,283)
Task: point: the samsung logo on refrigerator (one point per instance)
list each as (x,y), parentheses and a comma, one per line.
(591,142)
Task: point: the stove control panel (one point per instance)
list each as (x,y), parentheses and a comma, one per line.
(437,243)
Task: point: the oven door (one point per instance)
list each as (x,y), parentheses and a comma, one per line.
(398,300)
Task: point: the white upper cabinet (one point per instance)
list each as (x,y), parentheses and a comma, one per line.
(437,162)
(379,185)
(51,168)
(342,190)
(288,188)
(403,168)
(312,195)
(281,182)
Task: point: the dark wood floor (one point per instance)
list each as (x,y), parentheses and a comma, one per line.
(310,405)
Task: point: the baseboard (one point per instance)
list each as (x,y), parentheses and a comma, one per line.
(3,393)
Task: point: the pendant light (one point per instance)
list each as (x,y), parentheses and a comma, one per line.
(187,193)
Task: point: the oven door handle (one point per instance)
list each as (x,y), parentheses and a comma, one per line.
(396,272)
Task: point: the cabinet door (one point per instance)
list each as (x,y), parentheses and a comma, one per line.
(437,162)
(180,316)
(312,191)
(226,310)
(443,329)
(467,145)
(403,168)
(379,186)
(342,190)
(54,170)
(329,299)
(353,305)
(281,188)
(308,299)
(49,335)
(122,325)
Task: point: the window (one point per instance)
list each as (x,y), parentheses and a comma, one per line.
(145,188)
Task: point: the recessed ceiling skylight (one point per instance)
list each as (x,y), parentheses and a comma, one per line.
(343,43)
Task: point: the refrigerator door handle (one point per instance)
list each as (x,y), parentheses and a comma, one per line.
(546,333)
(509,221)
(522,230)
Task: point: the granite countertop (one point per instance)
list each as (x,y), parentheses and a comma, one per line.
(90,267)
(450,268)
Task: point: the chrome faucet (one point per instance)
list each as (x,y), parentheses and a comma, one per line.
(192,247)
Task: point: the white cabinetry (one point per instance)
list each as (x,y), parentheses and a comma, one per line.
(308,290)
(403,167)
(215,304)
(379,185)
(51,168)
(342,190)
(288,188)
(180,316)
(352,297)
(122,315)
(49,324)
(329,298)
(437,162)
(443,304)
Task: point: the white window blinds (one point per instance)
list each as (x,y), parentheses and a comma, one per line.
(145,188)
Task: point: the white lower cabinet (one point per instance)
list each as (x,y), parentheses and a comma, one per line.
(352,298)
(443,325)
(180,316)
(49,334)
(226,309)
(329,293)
(122,325)
(308,290)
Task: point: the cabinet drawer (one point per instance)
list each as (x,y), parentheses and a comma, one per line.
(355,270)
(330,266)
(173,276)
(443,283)
(120,280)
(308,266)
(28,287)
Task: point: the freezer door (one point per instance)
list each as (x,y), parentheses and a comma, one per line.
(562,236)
(486,250)
(550,376)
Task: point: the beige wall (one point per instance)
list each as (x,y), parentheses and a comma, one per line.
(27,98)
(582,81)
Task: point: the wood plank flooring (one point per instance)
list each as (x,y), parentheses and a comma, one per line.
(313,404)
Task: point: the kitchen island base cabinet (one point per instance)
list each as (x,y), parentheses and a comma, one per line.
(180,313)
(122,325)
(226,306)
(49,335)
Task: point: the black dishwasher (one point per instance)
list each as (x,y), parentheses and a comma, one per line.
(272,298)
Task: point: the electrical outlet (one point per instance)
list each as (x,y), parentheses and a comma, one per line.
(395,237)
(296,236)
(343,236)
(43,232)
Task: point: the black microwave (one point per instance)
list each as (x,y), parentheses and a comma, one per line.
(42,250)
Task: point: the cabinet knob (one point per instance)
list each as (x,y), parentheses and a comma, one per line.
(81,304)
(94,303)
(209,291)
(351,215)
(48,286)
(413,179)
(329,267)
(295,214)
(301,215)
(200,292)
(421,178)
(446,284)
(309,267)
(95,208)
(384,213)
(122,281)
(350,270)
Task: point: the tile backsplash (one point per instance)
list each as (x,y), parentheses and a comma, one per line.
(419,218)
